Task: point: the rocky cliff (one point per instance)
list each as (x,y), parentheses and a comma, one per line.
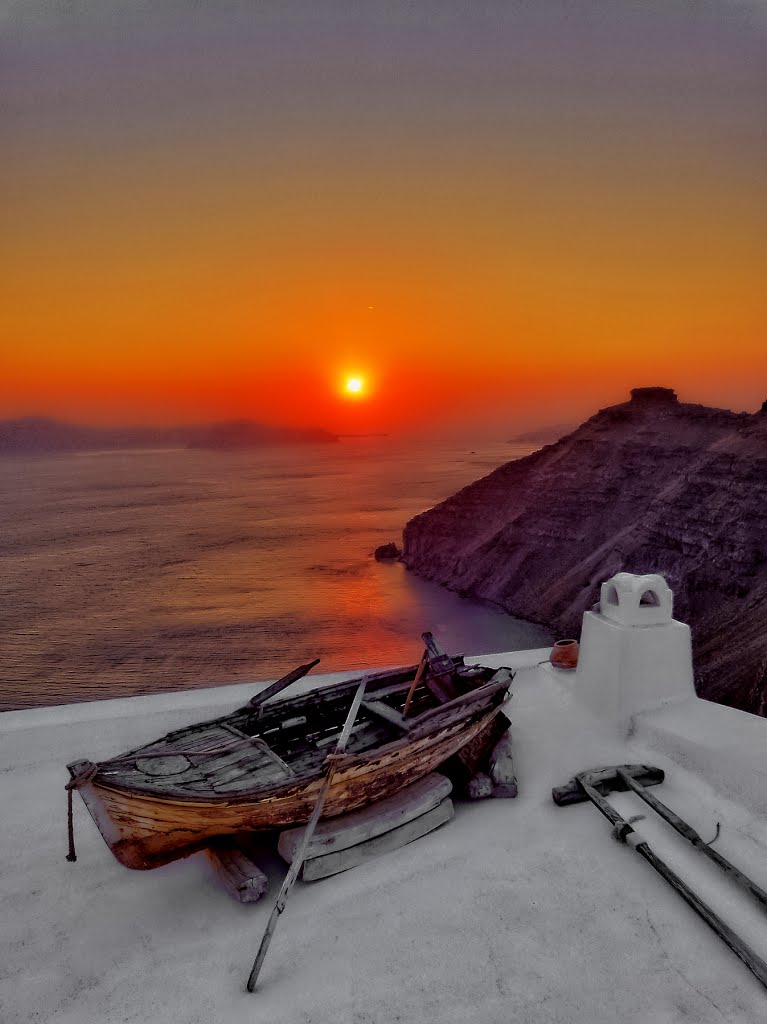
(651,485)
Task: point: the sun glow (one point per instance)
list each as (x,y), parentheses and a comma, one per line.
(354,385)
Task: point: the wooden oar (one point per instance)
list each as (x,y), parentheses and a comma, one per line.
(297,673)
(300,853)
(416,681)
(623,831)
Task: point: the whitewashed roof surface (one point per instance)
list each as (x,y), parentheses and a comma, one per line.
(515,911)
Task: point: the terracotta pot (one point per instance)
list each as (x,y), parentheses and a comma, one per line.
(564,654)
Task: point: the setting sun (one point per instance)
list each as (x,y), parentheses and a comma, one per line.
(354,385)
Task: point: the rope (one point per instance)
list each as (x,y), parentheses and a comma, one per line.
(623,830)
(79,780)
(716,834)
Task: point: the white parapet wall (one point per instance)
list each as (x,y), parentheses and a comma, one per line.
(726,747)
(634,655)
(635,675)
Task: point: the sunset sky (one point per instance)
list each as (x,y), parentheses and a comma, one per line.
(504,213)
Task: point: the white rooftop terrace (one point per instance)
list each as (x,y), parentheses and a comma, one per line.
(518,910)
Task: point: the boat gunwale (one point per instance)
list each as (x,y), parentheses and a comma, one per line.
(330,691)
(464,719)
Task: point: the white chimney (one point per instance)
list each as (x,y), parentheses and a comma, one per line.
(634,655)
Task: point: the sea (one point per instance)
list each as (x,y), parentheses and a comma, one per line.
(134,572)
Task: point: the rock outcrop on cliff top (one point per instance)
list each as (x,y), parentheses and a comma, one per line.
(651,485)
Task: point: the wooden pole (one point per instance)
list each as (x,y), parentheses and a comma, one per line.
(416,681)
(689,833)
(260,699)
(623,830)
(300,854)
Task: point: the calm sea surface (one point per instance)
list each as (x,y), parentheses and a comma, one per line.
(135,572)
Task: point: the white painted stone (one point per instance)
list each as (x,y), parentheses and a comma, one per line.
(634,657)
(637,600)
(501,765)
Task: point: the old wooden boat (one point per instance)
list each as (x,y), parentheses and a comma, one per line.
(261,767)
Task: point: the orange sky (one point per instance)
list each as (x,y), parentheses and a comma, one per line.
(501,218)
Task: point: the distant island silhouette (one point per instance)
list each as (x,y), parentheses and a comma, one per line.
(39,435)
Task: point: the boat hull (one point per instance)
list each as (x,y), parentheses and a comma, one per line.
(145,830)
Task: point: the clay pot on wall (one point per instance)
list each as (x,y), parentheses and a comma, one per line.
(564,654)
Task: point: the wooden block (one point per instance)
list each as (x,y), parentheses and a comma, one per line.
(501,769)
(243,879)
(480,787)
(342,860)
(335,834)
(505,791)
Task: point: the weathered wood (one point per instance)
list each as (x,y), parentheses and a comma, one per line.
(341,860)
(461,717)
(435,652)
(242,779)
(439,678)
(603,780)
(501,680)
(336,693)
(480,787)
(381,710)
(389,691)
(750,958)
(332,739)
(281,684)
(689,833)
(416,680)
(340,833)
(211,761)
(233,788)
(469,671)
(475,755)
(623,831)
(147,829)
(298,860)
(263,746)
(242,878)
(170,764)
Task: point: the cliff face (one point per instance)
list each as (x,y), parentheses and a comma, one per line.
(652,485)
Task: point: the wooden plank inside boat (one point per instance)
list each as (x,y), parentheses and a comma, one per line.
(381,710)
